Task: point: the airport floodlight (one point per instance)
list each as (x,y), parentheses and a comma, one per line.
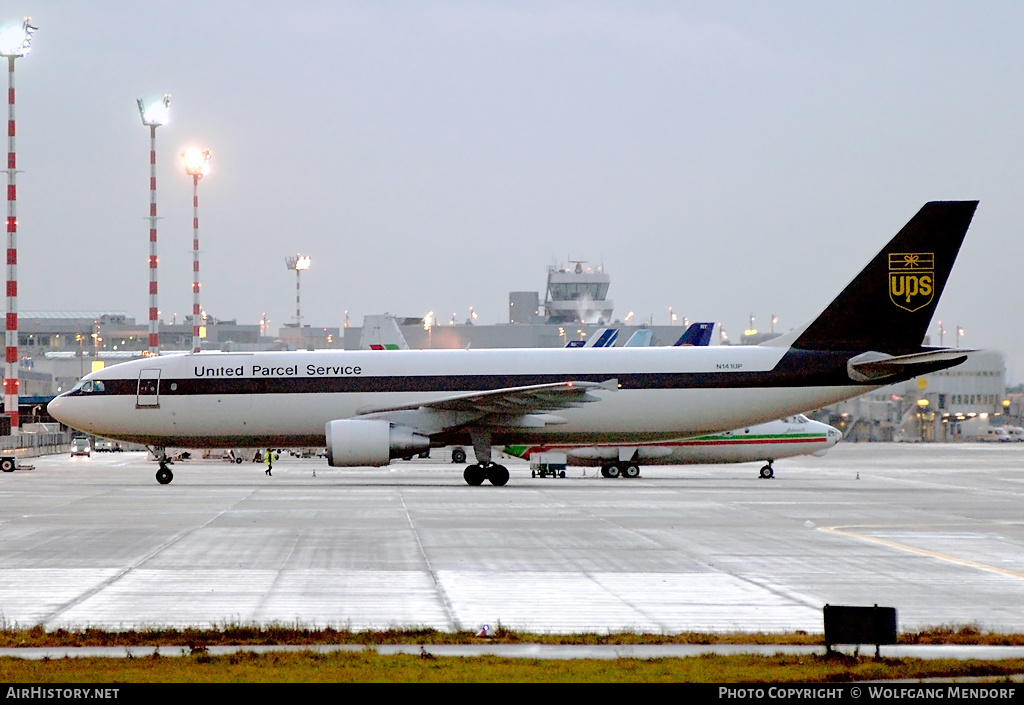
(16,41)
(196,161)
(197,165)
(155,114)
(299,263)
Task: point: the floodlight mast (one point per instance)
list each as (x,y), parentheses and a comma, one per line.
(153,117)
(299,263)
(13,44)
(197,164)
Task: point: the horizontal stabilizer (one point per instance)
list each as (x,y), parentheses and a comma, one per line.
(872,366)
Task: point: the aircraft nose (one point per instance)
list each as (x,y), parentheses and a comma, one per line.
(56,408)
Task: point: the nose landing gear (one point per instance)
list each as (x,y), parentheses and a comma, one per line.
(163,474)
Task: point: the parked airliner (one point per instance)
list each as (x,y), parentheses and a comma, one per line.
(784,438)
(367,407)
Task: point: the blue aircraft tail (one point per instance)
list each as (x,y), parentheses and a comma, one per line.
(698,335)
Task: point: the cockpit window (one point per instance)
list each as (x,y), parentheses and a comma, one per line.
(89,386)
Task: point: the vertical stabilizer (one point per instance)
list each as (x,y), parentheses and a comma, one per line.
(889,305)
(697,335)
(381,332)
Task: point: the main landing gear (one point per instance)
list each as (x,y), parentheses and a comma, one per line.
(476,474)
(624,469)
(767,472)
(163,474)
(484,469)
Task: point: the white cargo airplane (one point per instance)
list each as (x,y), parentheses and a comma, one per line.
(368,408)
(784,438)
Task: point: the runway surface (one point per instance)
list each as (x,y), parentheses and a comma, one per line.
(933,530)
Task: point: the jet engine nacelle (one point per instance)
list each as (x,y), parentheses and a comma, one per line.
(357,442)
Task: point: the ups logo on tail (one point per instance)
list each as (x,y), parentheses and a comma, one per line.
(911,279)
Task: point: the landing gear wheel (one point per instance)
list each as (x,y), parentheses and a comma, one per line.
(610,471)
(164,476)
(498,475)
(474,475)
(631,470)
(238,459)
(767,472)
(458,456)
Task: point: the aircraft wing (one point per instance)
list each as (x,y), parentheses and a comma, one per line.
(512,406)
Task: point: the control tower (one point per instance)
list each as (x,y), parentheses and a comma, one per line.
(577,295)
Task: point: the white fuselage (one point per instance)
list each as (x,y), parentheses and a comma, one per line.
(784,438)
(286,398)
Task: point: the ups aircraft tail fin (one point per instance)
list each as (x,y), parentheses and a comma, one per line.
(889,305)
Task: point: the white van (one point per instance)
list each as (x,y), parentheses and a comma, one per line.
(992,434)
(1016,433)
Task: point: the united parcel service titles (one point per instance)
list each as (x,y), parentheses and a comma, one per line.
(279,371)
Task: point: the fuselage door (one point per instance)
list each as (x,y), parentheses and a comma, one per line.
(149,389)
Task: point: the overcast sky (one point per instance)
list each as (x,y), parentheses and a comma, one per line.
(720,158)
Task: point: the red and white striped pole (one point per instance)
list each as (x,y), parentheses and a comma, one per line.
(154,331)
(197,163)
(197,310)
(299,263)
(153,117)
(12,398)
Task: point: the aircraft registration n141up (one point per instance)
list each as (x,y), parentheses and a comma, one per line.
(367,407)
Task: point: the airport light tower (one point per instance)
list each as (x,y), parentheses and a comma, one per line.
(197,164)
(153,116)
(14,42)
(300,264)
